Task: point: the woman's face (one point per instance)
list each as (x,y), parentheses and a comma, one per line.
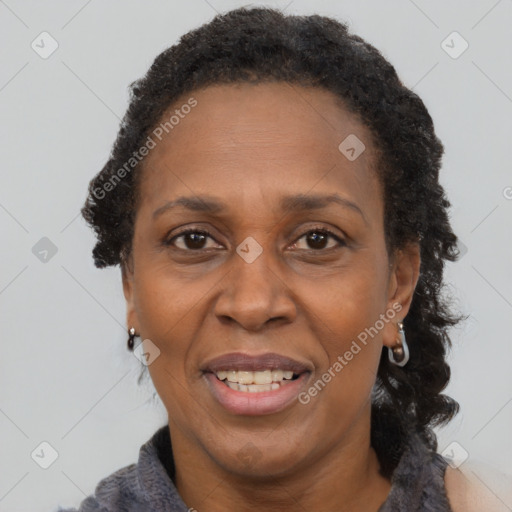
(268,289)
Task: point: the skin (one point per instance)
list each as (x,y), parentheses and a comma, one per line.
(474,486)
(249,145)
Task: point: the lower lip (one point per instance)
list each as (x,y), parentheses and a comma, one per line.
(255,404)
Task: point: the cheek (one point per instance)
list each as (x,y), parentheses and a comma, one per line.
(349,302)
(344,312)
(167,312)
(165,303)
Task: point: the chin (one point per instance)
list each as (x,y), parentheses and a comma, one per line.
(256,459)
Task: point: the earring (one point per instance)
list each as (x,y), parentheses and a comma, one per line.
(131,338)
(399,354)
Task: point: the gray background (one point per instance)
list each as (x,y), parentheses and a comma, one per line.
(66,377)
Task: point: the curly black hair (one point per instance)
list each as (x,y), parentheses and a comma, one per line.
(260,45)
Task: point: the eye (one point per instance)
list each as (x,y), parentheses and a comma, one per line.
(196,239)
(317,239)
(193,239)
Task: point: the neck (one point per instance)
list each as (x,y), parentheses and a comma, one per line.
(346,478)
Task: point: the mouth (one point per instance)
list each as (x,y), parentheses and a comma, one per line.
(255,385)
(256,381)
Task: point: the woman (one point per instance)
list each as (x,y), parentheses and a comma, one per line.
(273,201)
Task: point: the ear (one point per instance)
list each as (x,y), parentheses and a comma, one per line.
(127,275)
(403,277)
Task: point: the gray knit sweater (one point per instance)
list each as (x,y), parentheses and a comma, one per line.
(417,483)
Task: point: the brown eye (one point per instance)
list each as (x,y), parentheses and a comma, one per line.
(317,239)
(192,239)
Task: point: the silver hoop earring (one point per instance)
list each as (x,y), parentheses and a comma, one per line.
(399,354)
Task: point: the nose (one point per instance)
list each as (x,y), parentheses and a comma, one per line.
(255,294)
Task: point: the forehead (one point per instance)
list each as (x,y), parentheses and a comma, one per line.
(262,140)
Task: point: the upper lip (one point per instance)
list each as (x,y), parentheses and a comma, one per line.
(246,362)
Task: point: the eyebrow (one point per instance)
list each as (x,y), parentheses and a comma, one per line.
(293,203)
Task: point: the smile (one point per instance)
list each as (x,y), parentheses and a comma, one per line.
(255,385)
(256,382)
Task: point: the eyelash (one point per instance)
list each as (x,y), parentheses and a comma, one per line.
(169,242)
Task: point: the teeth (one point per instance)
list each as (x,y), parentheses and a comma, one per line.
(222,375)
(253,388)
(258,378)
(264,377)
(245,377)
(277,375)
(232,376)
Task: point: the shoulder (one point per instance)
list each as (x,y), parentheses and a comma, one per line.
(131,487)
(89,504)
(475,486)
(112,493)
